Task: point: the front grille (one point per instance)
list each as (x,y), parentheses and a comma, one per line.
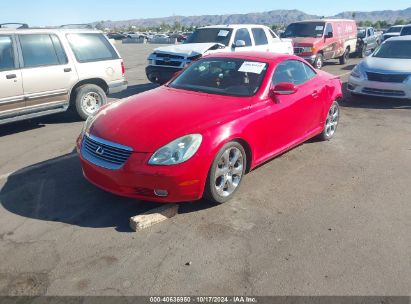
(168,63)
(171,56)
(298,50)
(103,153)
(380,92)
(396,78)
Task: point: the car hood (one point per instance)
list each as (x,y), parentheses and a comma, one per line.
(150,120)
(387,65)
(306,41)
(189,49)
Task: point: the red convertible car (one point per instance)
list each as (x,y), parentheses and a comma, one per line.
(199,134)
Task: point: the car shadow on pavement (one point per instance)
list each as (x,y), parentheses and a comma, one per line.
(36,123)
(55,190)
(134,89)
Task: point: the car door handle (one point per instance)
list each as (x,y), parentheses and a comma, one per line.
(11,76)
(315,94)
(66,70)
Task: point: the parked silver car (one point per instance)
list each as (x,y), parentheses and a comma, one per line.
(386,72)
(45,71)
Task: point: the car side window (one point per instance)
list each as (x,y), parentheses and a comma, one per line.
(369,34)
(6,54)
(259,36)
(328,28)
(243,34)
(61,54)
(91,47)
(39,50)
(293,71)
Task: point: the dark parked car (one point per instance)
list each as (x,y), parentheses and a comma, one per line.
(116,36)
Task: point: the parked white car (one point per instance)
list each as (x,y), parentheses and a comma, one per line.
(393,31)
(386,72)
(164,62)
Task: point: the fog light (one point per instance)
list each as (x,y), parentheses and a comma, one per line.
(160,192)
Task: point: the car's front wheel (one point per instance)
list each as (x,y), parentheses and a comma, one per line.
(226,173)
(319,61)
(331,123)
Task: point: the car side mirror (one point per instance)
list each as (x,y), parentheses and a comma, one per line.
(283,88)
(239,43)
(329,35)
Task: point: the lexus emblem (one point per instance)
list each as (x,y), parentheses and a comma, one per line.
(100,150)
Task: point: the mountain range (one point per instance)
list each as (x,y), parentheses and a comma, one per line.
(268,18)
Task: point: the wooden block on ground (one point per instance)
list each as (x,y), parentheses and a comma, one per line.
(153,217)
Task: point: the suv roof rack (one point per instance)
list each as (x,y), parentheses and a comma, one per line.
(76,26)
(19,25)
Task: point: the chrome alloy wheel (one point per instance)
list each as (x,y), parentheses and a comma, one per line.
(229,171)
(332,120)
(91,102)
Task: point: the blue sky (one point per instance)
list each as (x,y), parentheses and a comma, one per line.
(55,12)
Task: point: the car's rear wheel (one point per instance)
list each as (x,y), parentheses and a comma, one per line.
(89,98)
(331,123)
(345,56)
(226,173)
(319,61)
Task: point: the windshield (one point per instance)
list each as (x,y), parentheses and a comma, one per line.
(204,35)
(306,29)
(223,76)
(362,33)
(394,49)
(395,29)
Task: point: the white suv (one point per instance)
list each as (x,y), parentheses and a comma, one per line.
(45,71)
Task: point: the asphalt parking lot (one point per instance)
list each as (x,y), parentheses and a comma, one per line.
(327,218)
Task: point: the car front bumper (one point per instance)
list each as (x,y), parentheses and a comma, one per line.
(160,74)
(136,179)
(309,59)
(381,89)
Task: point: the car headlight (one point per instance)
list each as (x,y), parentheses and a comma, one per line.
(357,72)
(308,49)
(177,151)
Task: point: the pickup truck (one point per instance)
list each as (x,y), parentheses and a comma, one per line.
(368,39)
(165,61)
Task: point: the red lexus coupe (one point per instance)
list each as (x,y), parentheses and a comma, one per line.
(199,134)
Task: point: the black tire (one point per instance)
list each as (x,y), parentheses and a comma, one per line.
(363,51)
(319,61)
(210,191)
(326,135)
(345,56)
(81,92)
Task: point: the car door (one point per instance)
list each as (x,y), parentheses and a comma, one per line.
(47,72)
(11,92)
(372,43)
(291,117)
(260,39)
(244,35)
(330,43)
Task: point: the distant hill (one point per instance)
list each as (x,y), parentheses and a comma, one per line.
(389,16)
(268,18)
